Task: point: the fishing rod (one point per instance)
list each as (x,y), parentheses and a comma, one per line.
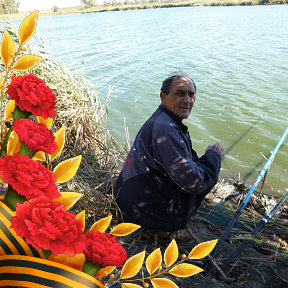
(260,225)
(229,227)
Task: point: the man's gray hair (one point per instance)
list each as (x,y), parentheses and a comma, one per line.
(166,84)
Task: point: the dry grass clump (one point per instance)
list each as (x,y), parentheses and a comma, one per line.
(81,110)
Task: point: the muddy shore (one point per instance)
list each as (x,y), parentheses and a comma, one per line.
(263,263)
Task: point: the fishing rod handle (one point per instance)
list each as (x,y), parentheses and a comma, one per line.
(260,225)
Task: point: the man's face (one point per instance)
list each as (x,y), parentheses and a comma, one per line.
(181,97)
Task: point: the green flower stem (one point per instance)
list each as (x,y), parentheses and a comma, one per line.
(46,253)
(12,197)
(24,150)
(18,114)
(90,268)
(3,147)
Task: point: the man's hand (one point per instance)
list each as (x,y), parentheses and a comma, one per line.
(217,148)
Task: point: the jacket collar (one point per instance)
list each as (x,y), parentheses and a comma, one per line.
(183,127)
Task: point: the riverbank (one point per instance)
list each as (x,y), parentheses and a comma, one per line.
(146,5)
(263,263)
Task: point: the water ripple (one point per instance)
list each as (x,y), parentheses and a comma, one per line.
(238,57)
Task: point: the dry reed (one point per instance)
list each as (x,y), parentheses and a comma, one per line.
(80,108)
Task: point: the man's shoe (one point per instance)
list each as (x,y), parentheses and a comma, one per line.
(181,235)
(182,238)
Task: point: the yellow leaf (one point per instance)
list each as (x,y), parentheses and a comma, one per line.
(75,262)
(153,261)
(130,285)
(60,141)
(185,270)
(47,122)
(7,48)
(68,199)
(101,225)
(171,254)
(10,107)
(104,271)
(27,27)
(40,156)
(81,216)
(202,249)
(1,178)
(13,145)
(162,282)
(26,62)
(65,170)
(132,266)
(124,229)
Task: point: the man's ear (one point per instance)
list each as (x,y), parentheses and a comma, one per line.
(163,97)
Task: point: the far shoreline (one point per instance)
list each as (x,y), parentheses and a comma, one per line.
(142,6)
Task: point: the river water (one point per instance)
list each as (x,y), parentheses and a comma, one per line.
(238,57)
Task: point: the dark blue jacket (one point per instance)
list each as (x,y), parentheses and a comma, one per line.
(163,182)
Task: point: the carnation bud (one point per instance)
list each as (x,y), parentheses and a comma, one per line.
(146,285)
(183,256)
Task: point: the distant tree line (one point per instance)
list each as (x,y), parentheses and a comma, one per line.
(92,3)
(88,3)
(128,2)
(172,3)
(9,6)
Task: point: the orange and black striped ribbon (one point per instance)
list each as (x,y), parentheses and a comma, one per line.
(31,272)
(10,242)
(23,266)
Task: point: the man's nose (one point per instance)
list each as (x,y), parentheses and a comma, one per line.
(187,98)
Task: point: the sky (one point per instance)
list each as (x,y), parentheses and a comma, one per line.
(31,5)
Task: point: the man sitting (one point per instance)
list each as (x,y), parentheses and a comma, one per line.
(163,181)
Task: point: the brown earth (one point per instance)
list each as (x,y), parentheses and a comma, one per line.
(263,263)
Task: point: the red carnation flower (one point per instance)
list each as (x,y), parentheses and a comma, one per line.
(31,94)
(35,135)
(103,249)
(47,225)
(28,177)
